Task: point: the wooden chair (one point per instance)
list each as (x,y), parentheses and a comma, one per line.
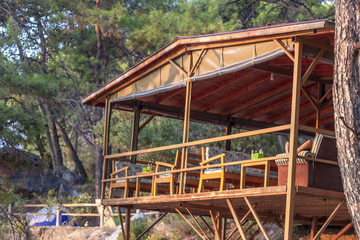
(170,179)
(212,174)
(120,183)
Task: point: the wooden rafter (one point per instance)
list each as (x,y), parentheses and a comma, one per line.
(147,122)
(217,87)
(308,42)
(257,219)
(169,95)
(328,221)
(313,115)
(282,90)
(188,222)
(235,94)
(311,99)
(196,64)
(312,66)
(286,114)
(325,95)
(284,49)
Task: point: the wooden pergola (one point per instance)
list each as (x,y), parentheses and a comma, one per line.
(276,79)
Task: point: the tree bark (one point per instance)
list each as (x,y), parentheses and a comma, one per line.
(78,164)
(346,90)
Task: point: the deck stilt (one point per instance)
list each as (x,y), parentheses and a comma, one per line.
(214,221)
(343,231)
(294,128)
(151,226)
(238,223)
(121,223)
(188,222)
(257,219)
(207,225)
(314,227)
(333,214)
(127,222)
(197,223)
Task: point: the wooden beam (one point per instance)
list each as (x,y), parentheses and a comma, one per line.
(178,67)
(343,231)
(238,223)
(151,226)
(325,95)
(185,136)
(121,223)
(290,191)
(106,144)
(312,66)
(235,94)
(308,42)
(284,49)
(197,223)
(196,116)
(228,142)
(328,221)
(197,62)
(207,225)
(217,234)
(135,131)
(168,95)
(204,141)
(127,222)
(257,219)
(311,99)
(314,227)
(187,221)
(147,122)
(242,222)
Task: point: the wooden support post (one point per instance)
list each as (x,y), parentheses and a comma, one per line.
(328,221)
(58,215)
(207,225)
(279,224)
(151,226)
(294,128)
(127,223)
(197,223)
(257,219)
(185,136)
(223,228)
(105,144)
(228,132)
(102,218)
(121,223)
(343,231)
(135,131)
(192,226)
(213,219)
(241,222)
(238,223)
(314,227)
(219,223)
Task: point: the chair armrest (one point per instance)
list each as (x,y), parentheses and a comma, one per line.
(119,171)
(213,158)
(162,164)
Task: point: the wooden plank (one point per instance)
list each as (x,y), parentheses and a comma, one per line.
(197,223)
(187,221)
(284,49)
(328,221)
(204,141)
(238,224)
(343,231)
(290,193)
(257,219)
(151,226)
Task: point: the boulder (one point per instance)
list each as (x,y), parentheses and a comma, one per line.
(65,189)
(70,176)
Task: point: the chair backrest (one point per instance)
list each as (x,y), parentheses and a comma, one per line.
(324,147)
(193,159)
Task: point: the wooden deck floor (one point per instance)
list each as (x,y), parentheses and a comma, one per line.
(269,202)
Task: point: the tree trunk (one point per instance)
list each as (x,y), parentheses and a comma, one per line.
(346,90)
(78,164)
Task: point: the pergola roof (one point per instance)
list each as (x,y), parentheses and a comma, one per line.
(243,77)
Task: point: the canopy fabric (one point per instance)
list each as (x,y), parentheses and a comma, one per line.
(213,62)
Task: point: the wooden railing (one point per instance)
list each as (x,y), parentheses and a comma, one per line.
(100,208)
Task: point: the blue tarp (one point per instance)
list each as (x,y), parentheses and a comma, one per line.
(48,220)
